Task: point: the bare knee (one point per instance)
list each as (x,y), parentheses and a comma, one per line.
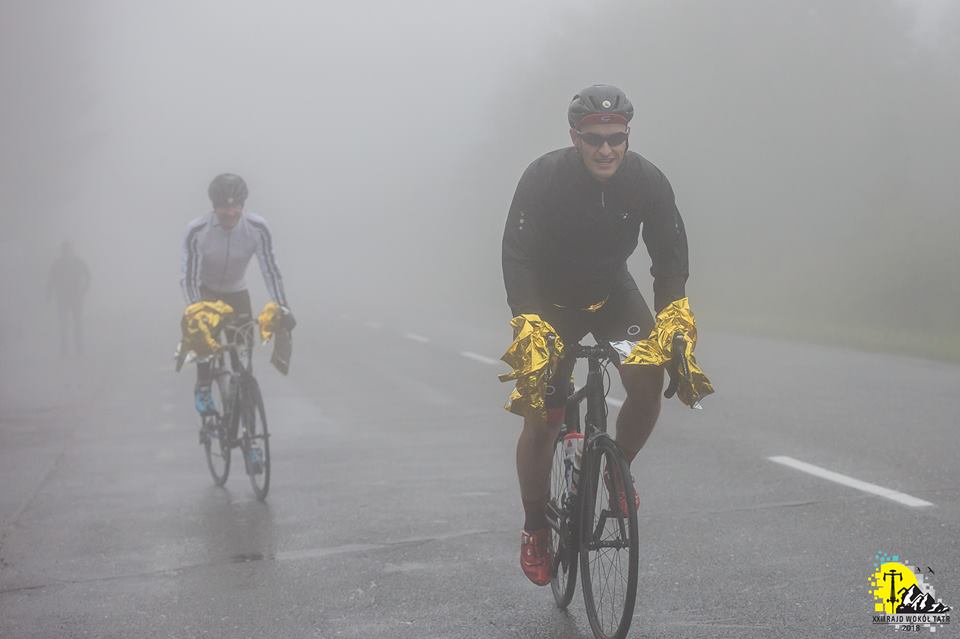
(643,383)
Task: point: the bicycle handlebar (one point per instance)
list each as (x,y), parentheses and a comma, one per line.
(602,350)
(678,368)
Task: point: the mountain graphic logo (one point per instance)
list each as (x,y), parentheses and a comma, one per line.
(903,596)
(915,601)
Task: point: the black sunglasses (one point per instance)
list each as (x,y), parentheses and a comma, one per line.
(596,140)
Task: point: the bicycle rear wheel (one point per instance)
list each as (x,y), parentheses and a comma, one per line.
(609,547)
(256,440)
(562,531)
(215,436)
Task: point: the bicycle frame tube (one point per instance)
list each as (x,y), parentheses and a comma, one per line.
(596,418)
(239,343)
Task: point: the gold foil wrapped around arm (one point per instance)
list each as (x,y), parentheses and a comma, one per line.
(657,349)
(533,362)
(268,320)
(199,327)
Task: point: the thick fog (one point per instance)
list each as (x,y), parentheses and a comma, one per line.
(812,147)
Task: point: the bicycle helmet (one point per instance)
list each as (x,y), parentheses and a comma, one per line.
(599,103)
(227,189)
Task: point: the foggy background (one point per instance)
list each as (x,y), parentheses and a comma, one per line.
(811,147)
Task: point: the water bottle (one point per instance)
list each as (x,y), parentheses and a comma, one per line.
(572,457)
(256,460)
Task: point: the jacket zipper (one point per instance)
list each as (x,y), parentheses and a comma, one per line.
(226,261)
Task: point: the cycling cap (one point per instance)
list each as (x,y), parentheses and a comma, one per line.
(226,189)
(600,103)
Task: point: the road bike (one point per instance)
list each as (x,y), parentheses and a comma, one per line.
(240,420)
(592,511)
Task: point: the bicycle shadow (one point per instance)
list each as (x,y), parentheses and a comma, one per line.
(553,623)
(234,527)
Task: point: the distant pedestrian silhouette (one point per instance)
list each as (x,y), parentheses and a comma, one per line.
(68,284)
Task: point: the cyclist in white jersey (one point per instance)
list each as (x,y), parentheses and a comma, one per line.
(217,249)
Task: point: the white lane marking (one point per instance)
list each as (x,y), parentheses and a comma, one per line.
(613,401)
(374,325)
(866,487)
(417,338)
(321,553)
(483,359)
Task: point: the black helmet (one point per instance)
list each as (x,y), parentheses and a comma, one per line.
(226,189)
(605,102)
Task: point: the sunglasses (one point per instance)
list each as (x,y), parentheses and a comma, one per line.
(596,140)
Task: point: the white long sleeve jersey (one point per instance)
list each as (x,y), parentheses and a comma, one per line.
(217,258)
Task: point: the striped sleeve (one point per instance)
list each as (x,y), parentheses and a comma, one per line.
(190,263)
(267,257)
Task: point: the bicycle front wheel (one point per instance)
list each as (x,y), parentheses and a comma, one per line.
(562,534)
(215,436)
(256,440)
(609,547)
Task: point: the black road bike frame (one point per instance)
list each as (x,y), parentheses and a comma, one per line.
(571,516)
(242,402)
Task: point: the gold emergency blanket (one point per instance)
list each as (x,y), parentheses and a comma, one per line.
(199,327)
(533,363)
(657,349)
(269,320)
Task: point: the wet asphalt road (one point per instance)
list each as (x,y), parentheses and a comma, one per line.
(394,510)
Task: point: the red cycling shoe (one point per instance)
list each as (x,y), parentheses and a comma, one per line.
(535,559)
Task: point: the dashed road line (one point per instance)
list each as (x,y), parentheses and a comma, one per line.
(417,338)
(866,487)
(483,359)
(374,325)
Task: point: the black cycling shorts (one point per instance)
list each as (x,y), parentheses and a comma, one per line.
(238,300)
(624,316)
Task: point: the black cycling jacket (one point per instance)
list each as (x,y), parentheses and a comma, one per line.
(568,236)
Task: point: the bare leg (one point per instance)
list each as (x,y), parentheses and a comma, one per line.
(534,459)
(63,320)
(77,313)
(641,408)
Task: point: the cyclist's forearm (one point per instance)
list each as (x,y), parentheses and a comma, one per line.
(667,289)
(521,283)
(191,293)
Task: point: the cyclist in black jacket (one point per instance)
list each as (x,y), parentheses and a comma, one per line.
(576,217)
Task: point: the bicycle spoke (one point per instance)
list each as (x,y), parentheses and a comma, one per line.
(611,551)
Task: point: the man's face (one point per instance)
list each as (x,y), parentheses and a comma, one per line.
(601,154)
(229,215)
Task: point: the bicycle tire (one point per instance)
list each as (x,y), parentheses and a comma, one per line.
(256,436)
(216,442)
(604,530)
(563,549)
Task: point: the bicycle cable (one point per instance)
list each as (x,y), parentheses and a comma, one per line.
(607,383)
